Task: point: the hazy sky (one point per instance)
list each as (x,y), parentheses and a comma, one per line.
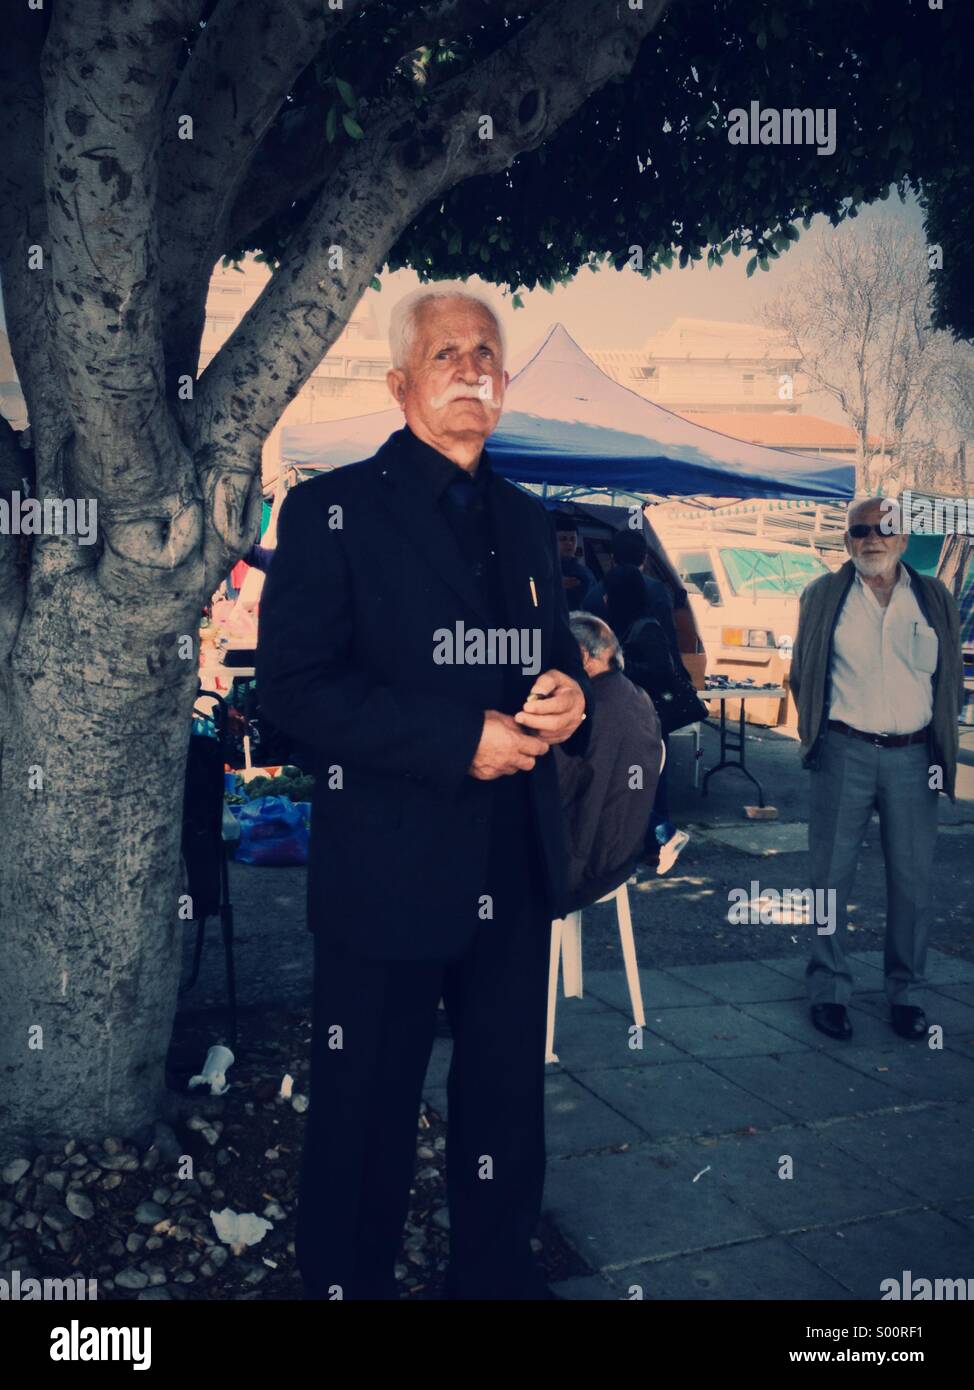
(620,309)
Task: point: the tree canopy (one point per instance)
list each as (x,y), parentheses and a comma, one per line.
(646,162)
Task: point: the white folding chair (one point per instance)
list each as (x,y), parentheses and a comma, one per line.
(566,948)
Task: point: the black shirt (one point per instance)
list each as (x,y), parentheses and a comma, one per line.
(463,499)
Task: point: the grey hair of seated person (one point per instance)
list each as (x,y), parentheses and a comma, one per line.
(597,638)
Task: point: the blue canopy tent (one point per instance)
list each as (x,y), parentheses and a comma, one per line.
(567,425)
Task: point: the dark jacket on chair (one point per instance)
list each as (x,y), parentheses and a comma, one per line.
(367,571)
(605,814)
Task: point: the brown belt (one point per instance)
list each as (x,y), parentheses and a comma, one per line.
(879,740)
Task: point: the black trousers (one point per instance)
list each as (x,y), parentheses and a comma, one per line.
(372,1034)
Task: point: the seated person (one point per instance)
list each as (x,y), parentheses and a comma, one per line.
(607,794)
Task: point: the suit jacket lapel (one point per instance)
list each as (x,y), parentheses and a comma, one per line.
(426,527)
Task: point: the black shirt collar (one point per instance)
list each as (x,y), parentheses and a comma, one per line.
(437,471)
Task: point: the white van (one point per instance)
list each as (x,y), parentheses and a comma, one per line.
(744,593)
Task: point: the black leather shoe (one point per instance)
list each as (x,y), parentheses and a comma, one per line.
(909,1021)
(833,1020)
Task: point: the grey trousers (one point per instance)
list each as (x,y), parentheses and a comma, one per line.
(853,779)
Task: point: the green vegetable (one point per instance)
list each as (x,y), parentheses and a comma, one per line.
(297,788)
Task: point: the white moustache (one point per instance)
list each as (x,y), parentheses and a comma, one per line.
(460,393)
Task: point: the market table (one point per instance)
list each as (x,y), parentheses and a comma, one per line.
(727,745)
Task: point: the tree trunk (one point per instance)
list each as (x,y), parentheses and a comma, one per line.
(91,785)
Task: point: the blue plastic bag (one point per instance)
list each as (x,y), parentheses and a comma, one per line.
(273,830)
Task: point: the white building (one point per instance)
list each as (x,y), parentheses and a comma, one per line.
(706,364)
(738,378)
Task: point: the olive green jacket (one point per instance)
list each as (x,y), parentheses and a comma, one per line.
(811,664)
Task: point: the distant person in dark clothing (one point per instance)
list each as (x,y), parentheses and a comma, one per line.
(629,548)
(649,653)
(576,577)
(606,801)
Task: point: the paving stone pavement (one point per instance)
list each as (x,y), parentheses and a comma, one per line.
(740,1154)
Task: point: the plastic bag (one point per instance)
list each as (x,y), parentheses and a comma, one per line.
(273,830)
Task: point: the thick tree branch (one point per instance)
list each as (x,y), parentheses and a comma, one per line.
(106,74)
(23,225)
(242,67)
(105,78)
(294,160)
(245,167)
(529,87)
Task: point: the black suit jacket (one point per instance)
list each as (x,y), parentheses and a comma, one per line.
(366,570)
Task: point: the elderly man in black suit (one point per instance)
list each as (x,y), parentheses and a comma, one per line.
(414,632)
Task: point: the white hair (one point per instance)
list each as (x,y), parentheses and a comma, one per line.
(402,323)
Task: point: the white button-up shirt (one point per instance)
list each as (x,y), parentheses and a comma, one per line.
(883,660)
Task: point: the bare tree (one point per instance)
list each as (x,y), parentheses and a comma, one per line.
(859,315)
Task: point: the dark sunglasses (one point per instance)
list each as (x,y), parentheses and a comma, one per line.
(860,531)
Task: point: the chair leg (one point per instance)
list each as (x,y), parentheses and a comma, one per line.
(629,955)
(549,1047)
(571,955)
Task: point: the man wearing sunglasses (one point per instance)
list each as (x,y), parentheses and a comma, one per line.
(877,676)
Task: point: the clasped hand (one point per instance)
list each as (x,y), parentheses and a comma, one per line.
(553,710)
